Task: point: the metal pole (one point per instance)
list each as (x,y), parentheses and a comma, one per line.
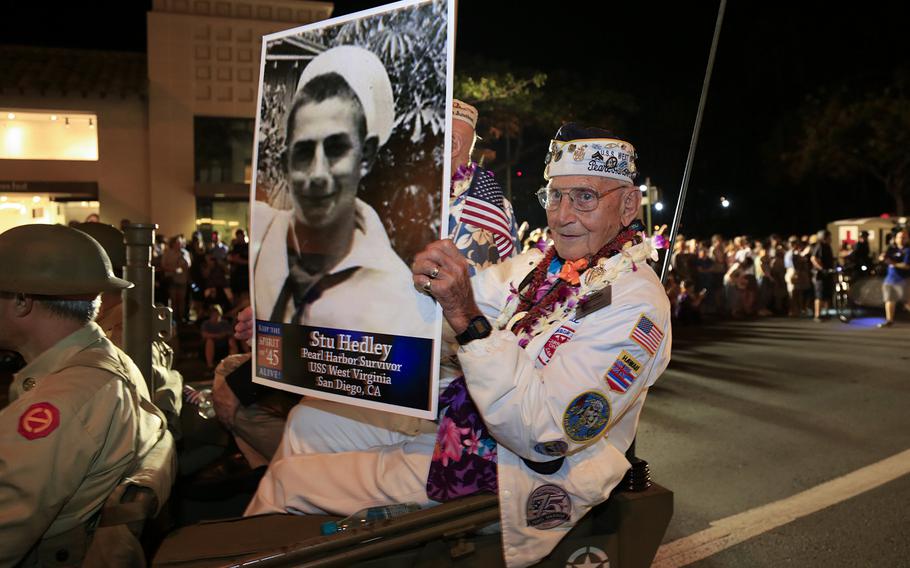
(639,475)
(650,192)
(463,515)
(687,172)
(138,301)
(508,167)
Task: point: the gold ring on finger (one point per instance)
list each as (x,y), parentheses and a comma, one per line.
(435,272)
(428,286)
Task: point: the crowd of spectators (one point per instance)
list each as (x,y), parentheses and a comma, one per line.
(746,277)
(206,282)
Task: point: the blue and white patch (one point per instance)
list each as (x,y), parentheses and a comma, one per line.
(548,507)
(556,448)
(587,416)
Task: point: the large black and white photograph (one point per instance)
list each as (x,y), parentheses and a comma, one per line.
(348,187)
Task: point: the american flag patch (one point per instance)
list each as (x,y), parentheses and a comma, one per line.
(647,334)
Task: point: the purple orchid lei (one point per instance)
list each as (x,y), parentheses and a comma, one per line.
(464,171)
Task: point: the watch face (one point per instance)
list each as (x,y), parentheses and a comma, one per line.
(478,328)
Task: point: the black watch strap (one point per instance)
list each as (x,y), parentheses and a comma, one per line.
(478,328)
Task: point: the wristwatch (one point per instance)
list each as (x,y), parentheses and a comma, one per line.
(478,328)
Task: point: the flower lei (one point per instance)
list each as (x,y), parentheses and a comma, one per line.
(461,178)
(548,301)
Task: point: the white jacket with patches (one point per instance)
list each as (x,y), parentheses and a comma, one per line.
(525,403)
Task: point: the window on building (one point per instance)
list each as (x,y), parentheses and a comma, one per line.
(222,215)
(223,149)
(26,208)
(43,135)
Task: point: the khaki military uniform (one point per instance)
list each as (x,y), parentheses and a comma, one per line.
(78,421)
(167,382)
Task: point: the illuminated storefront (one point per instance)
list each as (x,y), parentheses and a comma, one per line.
(29,202)
(47,136)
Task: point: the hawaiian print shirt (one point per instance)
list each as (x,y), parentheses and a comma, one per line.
(475,243)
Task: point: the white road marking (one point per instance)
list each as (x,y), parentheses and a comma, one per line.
(741,527)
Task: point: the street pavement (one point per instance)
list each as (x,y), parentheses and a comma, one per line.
(753,412)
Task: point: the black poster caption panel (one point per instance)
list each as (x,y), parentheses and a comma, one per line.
(375,367)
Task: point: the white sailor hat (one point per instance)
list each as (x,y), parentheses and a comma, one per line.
(367,77)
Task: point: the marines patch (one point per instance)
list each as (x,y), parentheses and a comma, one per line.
(39,421)
(586,416)
(623,372)
(560,336)
(647,334)
(556,448)
(548,507)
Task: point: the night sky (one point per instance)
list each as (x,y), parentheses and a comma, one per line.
(771,56)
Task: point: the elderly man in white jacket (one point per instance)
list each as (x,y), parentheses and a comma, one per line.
(542,387)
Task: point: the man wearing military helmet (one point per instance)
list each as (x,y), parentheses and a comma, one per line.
(80,415)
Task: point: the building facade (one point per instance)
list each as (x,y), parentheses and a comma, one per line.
(164,137)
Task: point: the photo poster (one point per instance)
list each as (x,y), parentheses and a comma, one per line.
(350,181)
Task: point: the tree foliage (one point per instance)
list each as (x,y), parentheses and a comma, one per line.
(507,101)
(409,43)
(847,139)
(521,109)
(513,100)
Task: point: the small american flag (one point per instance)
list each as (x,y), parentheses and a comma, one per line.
(484,208)
(647,334)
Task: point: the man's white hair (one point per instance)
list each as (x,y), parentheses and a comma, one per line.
(82,311)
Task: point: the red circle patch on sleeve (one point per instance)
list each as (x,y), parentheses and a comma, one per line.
(39,420)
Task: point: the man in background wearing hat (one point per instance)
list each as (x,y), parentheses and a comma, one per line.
(544,371)
(167,382)
(328,261)
(80,417)
(481,222)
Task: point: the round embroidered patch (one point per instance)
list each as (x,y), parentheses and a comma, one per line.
(555,448)
(548,506)
(586,416)
(39,420)
(589,556)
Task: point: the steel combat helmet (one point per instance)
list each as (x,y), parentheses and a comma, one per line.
(53,260)
(111,240)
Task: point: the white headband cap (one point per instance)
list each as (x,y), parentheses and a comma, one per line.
(601,157)
(464,112)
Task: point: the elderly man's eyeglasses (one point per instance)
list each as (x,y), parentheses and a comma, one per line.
(582,198)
